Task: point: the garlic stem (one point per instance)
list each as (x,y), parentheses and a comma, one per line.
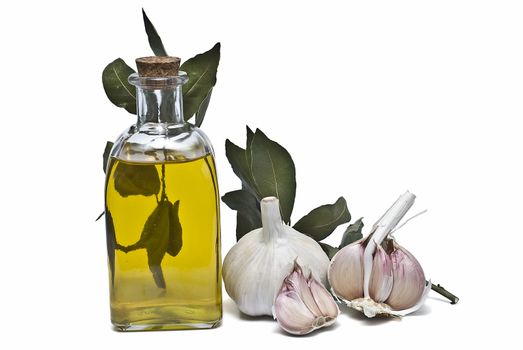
(442,291)
(380,230)
(271,218)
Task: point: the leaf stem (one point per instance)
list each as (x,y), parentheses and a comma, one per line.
(121,248)
(99,216)
(164,194)
(442,291)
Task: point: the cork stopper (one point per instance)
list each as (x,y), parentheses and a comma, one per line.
(158,66)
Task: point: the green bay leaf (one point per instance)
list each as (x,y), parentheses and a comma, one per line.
(322,221)
(352,233)
(107,153)
(155,239)
(250,135)
(174,244)
(248,148)
(155,42)
(116,86)
(329,250)
(111,242)
(248,211)
(238,159)
(201,70)
(161,234)
(200,114)
(273,172)
(136,179)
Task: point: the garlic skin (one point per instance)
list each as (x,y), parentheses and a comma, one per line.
(303,304)
(255,267)
(376,275)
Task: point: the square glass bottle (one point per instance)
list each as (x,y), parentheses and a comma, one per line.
(162,212)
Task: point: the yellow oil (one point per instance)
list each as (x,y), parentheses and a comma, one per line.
(191,294)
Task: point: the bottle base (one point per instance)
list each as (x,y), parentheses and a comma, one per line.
(150,325)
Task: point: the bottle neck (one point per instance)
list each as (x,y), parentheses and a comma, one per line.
(163,105)
(159,99)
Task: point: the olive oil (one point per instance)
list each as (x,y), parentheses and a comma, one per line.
(165,271)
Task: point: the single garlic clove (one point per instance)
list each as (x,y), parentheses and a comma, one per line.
(292,314)
(381,276)
(303,304)
(303,286)
(346,272)
(409,279)
(324,299)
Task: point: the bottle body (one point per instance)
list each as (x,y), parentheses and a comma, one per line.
(188,293)
(163,227)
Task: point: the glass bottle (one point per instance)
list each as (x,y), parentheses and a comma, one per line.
(162,212)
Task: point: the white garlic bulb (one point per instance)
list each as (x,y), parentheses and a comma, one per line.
(255,267)
(376,275)
(303,304)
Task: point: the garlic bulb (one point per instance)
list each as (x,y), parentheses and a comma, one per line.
(376,275)
(254,268)
(303,304)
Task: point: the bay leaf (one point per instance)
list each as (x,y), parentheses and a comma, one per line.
(155,42)
(238,159)
(136,179)
(250,135)
(111,242)
(155,239)
(201,70)
(161,234)
(273,172)
(175,230)
(248,212)
(200,114)
(116,86)
(156,225)
(352,233)
(322,221)
(248,147)
(107,153)
(329,250)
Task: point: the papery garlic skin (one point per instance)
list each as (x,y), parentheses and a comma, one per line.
(391,279)
(303,304)
(255,267)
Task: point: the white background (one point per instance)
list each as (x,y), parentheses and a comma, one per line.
(371,98)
